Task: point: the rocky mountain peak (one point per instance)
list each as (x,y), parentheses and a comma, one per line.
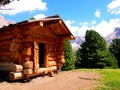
(4,22)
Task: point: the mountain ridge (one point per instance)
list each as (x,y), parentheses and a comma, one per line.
(4,22)
(79,39)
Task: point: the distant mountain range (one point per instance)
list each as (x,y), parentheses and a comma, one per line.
(115,34)
(79,39)
(4,22)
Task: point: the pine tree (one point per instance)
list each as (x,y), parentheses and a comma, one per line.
(69,57)
(78,58)
(94,52)
(114,48)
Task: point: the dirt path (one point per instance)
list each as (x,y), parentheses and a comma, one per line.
(70,80)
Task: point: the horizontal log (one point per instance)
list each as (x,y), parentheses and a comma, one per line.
(5,32)
(52,54)
(19,35)
(16,68)
(27,44)
(52,58)
(44,32)
(60,56)
(4,42)
(16,76)
(5,37)
(31,39)
(40,71)
(61,61)
(27,51)
(5,53)
(60,52)
(52,63)
(17,40)
(5,47)
(51,45)
(16,47)
(27,58)
(52,68)
(28,65)
(27,71)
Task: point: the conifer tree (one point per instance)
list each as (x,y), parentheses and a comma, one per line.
(114,48)
(78,58)
(69,57)
(94,52)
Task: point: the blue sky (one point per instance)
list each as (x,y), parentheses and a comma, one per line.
(79,15)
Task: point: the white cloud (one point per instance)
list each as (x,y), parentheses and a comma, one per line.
(97,13)
(23,5)
(104,28)
(93,22)
(39,16)
(114,7)
(83,23)
(73,29)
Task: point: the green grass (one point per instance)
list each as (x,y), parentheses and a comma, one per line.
(110,78)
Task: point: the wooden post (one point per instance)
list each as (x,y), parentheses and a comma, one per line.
(36,56)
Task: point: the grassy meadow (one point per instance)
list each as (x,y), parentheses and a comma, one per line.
(110,78)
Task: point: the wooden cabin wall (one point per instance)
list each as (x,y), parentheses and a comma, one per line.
(6,37)
(52,55)
(16,46)
(56,54)
(60,53)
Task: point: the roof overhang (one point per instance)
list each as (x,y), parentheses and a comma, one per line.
(54,23)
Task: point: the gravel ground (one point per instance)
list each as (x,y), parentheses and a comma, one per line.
(65,80)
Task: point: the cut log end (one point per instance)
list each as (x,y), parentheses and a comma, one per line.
(15,76)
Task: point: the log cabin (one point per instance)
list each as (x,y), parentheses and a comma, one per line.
(33,47)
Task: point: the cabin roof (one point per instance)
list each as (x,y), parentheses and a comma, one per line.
(54,23)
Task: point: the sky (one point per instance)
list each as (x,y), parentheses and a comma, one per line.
(102,16)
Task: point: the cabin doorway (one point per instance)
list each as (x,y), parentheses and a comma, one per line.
(41,54)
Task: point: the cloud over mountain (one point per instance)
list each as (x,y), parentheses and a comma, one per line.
(104,28)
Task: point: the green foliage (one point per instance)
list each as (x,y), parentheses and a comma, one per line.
(32,18)
(69,57)
(94,52)
(78,59)
(115,49)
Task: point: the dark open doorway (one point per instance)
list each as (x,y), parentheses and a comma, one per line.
(41,54)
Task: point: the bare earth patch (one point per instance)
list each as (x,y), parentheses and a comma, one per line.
(65,80)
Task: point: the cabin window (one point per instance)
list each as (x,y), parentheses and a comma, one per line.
(41,54)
